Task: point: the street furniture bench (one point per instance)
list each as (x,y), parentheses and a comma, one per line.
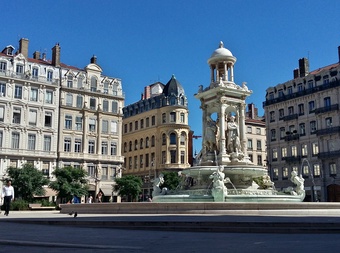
(40,207)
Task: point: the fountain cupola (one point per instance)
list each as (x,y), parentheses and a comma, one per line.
(221,65)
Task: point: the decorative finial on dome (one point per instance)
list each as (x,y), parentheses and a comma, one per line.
(221,44)
(173,76)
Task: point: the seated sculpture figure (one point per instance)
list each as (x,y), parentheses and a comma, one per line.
(219,190)
(157,182)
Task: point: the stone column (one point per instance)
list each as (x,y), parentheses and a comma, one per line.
(225,71)
(222,136)
(232,73)
(212,78)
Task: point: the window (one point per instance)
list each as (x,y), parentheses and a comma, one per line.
(274,154)
(275,174)
(104,148)
(19,69)
(18,91)
(315,148)
(136,162)
(34,94)
(47,143)
(70,81)
(35,73)
(141,161)
(49,76)
(281,113)
(15,140)
(290,110)
(294,151)
(80,82)
(304,150)
(250,144)
(290,90)
(153,120)
(300,87)
(68,122)
(130,126)
(271,95)
(327,101)
(79,123)
(147,142)
(272,116)
(258,145)
(130,162)
(48,97)
(282,133)
(163,139)
(311,106)
(91,146)
(114,106)
(31,142)
(249,129)
(91,171)
(141,143)
(105,171)
(16,115)
(328,122)
(301,108)
(125,128)
(106,87)
(32,117)
(130,146)
(250,157)
(153,141)
(1,137)
(79,101)
(136,125)
(312,127)
(281,94)
(142,123)
(332,169)
(316,170)
(136,144)
(183,137)
(105,126)
(283,152)
(310,84)
(114,127)
(163,118)
(302,128)
(258,130)
(3,66)
(285,173)
(2,89)
(105,106)
(69,99)
(93,83)
(259,160)
(77,145)
(172,116)
(146,160)
(46,169)
(2,113)
(273,134)
(92,103)
(182,117)
(113,148)
(305,171)
(182,157)
(325,79)
(92,125)
(173,155)
(67,145)
(173,139)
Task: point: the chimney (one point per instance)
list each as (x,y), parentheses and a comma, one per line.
(296,73)
(339,53)
(94,59)
(56,55)
(303,67)
(36,55)
(252,111)
(147,91)
(23,47)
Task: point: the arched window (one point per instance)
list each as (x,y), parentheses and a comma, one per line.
(125,146)
(153,141)
(182,101)
(183,137)
(147,142)
(141,143)
(172,138)
(130,146)
(136,144)
(173,100)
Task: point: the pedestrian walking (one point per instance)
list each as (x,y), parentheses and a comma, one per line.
(8,195)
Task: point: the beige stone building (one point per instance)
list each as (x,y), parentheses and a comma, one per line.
(302,120)
(256,136)
(90,125)
(156,132)
(29,109)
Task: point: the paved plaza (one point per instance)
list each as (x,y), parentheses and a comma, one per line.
(42,231)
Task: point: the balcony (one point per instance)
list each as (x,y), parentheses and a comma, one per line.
(291,136)
(327,109)
(326,155)
(329,130)
(291,159)
(290,117)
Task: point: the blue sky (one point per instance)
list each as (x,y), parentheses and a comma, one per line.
(146,41)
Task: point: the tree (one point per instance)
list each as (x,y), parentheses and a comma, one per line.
(27,181)
(70,182)
(130,186)
(171,180)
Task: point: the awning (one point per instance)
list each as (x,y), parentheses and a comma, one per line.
(106,191)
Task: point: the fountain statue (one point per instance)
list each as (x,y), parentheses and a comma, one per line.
(223,160)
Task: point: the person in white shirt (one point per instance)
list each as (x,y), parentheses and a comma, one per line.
(8,195)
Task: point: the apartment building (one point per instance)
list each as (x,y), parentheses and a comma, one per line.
(53,114)
(303,130)
(156,132)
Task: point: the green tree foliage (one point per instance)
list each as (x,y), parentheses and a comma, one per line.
(27,181)
(130,186)
(171,180)
(70,182)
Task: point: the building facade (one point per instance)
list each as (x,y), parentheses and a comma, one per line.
(156,133)
(256,136)
(55,115)
(302,121)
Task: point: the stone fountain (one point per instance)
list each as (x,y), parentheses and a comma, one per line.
(224,172)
